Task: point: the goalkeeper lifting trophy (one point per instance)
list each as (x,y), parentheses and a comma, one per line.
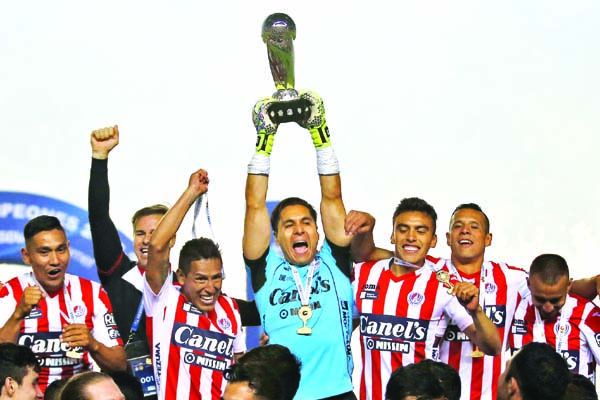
(278,33)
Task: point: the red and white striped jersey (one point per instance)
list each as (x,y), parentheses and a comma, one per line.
(501,289)
(399,319)
(575,332)
(191,348)
(83,299)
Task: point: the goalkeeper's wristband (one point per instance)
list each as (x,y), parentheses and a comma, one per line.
(264,143)
(320,136)
(260,164)
(327,162)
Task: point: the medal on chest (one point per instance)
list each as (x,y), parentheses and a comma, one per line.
(304,312)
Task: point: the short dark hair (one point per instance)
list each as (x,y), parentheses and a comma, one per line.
(39,224)
(15,361)
(290,201)
(76,387)
(129,385)
(447,375)
(581,388)
(272,371)
(54,389)
(415,204)
(540,372)
(156,209)
(473,206)
(198,249)
(412,380)
(550,268)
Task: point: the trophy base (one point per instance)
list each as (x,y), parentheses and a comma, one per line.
(289,111)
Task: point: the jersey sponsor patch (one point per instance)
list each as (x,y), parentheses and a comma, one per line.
(189,307)
(519,327)
(454,334)
(497,314)
(393,328)
(571,357)
(209,342)
(35,313)
(204,361)
(44,344)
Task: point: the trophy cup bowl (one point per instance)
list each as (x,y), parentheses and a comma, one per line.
(278,33)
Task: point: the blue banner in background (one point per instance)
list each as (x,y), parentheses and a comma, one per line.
(18,208)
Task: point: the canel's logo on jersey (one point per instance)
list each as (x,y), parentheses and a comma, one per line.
(497,314)
(194,338)
(562,329)
(490,287)
(46,343)
(282,296)
(392,327)
(572,359)
(415,298)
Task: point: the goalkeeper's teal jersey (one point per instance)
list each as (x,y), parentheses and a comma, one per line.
(325,353)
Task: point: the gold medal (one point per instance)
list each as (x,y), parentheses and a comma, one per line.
(476,353)
(304,313)
(444,277)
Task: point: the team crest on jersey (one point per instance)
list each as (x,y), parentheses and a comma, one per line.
(562,329)
(597,337)
(224,324)
(415,298)
(490,287)
(79,310)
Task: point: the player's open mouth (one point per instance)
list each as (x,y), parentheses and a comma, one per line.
(300,247)
(144,251)
(54,272)
(208,300)
(465,242)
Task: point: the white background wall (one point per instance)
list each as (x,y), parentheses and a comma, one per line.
(488,102)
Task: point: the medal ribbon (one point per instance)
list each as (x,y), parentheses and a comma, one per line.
(304,291)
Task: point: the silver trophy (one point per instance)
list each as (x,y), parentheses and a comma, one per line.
(278,33)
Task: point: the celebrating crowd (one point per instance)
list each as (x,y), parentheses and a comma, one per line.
(430,328)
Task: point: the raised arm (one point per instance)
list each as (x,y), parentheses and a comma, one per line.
(257,229)
(164,236)
(362,247)
(333,212)
(105,237)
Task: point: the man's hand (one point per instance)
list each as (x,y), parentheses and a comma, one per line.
(316,122)
(78,335)
(103,141)
(30,298)
(359,222)
(467,295)
(198,182)
(265,128)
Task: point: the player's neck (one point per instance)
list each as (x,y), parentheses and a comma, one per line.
(468,267)
(399,270)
